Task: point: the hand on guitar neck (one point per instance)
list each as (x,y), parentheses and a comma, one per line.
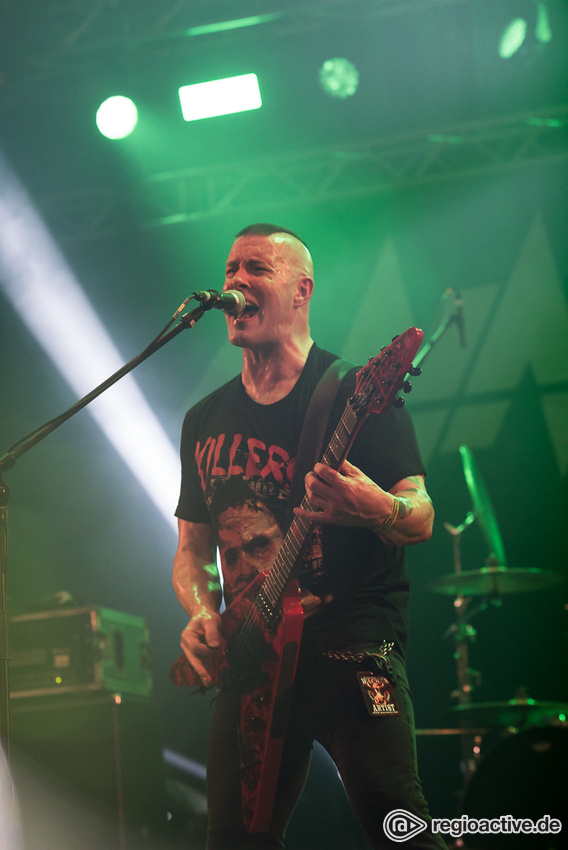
(348,497)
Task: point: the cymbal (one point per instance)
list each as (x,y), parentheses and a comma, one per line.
(461,730)
(513,712)
(493,581)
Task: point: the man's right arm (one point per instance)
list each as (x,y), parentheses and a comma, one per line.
(198,589)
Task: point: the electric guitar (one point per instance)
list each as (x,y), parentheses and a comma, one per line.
(262,627)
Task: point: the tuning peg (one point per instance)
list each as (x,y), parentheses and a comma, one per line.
(415,371)
(407,387)
(398,402)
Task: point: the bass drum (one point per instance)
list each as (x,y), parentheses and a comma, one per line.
(524,775)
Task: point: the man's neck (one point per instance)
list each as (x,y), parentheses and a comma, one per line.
(269,374)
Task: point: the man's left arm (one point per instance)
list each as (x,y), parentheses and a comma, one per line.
(401,516)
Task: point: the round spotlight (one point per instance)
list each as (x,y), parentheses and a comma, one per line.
(117,117)
(339,78)
(512,38)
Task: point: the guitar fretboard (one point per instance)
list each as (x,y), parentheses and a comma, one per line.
(267,602)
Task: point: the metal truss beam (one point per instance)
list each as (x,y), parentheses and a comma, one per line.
(52,37)
(369,167)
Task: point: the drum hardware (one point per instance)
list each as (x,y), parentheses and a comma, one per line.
(464,633)
(489,583)
(494,580)
(515,714)
(475,730)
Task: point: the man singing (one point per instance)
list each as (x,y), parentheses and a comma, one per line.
(238,450)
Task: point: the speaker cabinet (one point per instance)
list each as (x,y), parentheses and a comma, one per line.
(88,773)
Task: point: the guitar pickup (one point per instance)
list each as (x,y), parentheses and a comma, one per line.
(269,614)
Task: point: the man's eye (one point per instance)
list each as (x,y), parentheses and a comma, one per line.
(257,544)
(231,556)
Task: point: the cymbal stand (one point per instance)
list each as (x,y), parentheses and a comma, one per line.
(464,634)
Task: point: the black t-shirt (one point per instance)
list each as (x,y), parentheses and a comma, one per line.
(237,465)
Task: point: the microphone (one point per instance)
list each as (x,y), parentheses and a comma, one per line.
(458,317)
(232,302)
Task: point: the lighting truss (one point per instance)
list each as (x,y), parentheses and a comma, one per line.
(311,176)
(67,36)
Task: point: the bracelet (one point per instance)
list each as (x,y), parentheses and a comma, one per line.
(391,519)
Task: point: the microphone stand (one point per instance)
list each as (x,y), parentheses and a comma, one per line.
(8,460)
(438,333)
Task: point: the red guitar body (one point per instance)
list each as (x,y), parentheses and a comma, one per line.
(264,716)
(265,704)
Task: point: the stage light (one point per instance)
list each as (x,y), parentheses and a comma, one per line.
(521,31)
(339,78)
(220,97)
(117,117)
(513,38)
(236,24)
(543,31)
(51,302)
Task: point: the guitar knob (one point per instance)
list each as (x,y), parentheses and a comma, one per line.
(407,387)
(398,402)
(415,371)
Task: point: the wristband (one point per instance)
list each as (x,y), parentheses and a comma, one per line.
(391,519)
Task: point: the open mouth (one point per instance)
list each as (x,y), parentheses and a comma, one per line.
(249,311)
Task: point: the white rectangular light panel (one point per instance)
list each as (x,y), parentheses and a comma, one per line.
(220,97)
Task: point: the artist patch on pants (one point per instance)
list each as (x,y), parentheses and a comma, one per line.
(378,694)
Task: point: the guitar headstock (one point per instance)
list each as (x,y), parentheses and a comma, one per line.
(384,375)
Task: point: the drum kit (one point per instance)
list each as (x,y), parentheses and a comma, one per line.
(515,718)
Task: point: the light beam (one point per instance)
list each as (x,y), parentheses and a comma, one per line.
(51,303)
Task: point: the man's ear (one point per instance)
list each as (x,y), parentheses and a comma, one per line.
(304,292)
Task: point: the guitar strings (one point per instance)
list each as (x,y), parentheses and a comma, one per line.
(278,577)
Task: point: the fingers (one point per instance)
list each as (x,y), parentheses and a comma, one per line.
(318,483)
(333,477)
(324,484)
(200,642)
(313,516)
(323,473)
(212,631)
(348,470)
(343,497)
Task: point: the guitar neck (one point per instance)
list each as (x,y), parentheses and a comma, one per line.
(285,563)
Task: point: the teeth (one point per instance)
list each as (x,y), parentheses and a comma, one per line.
(250,310)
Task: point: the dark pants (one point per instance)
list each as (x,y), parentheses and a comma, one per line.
(375,756)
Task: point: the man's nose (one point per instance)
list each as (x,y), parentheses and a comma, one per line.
(238,281)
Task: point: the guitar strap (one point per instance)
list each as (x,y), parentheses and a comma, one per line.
(313,430)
